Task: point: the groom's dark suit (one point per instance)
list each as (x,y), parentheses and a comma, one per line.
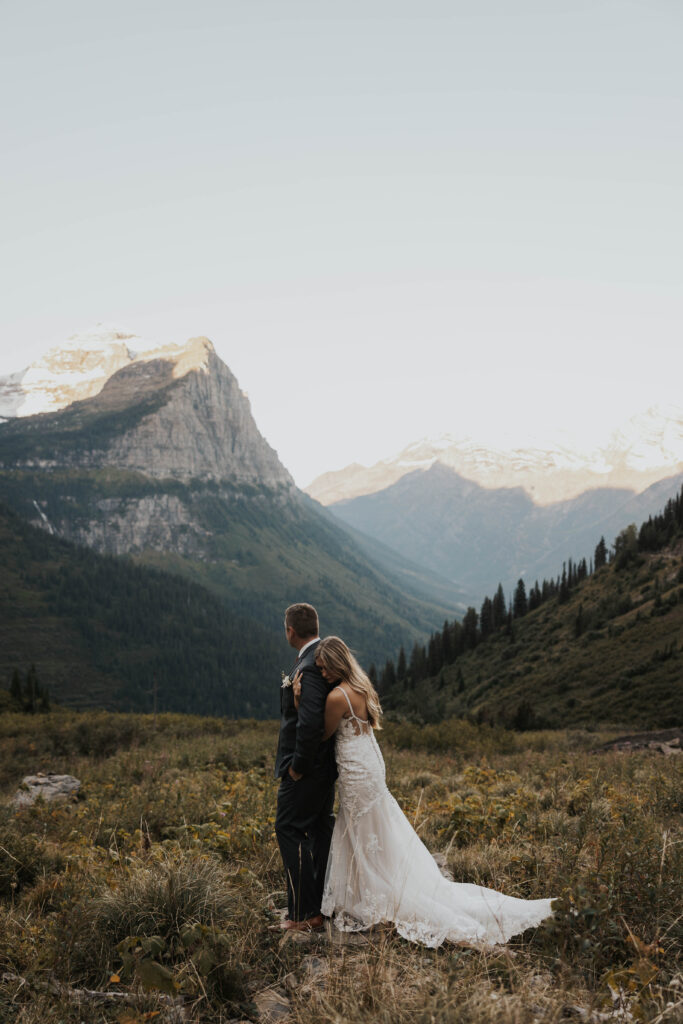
(304,819)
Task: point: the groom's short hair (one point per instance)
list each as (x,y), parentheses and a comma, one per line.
(303,619)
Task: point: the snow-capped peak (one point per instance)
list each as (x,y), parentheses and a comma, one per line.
(79,368)
(647,448)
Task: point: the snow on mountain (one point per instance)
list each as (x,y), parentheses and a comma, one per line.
(79,368)
(646,449)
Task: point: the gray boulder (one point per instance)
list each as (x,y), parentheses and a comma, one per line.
(52,788)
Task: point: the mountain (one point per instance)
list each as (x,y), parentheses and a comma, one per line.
(165,463)
(604,648)
(481,536)
(75,369)
(643,451)
(480,516)
(104,632)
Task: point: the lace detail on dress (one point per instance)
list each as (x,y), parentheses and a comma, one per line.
(380,870)
(359,725)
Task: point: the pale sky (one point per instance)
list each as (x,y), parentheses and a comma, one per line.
(393,219)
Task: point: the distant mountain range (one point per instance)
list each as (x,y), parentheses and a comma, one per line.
(479,515)
(154,454)
(641,452)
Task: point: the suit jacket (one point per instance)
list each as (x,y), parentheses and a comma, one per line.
(300,743)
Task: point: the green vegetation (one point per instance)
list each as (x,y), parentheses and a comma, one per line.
(598,644)
(256,549)
(160,882)
(104,632)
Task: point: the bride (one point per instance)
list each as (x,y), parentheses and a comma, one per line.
(378,868)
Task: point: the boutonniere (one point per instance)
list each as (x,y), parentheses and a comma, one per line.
(286,681)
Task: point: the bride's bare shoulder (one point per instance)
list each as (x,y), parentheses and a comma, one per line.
(335,698)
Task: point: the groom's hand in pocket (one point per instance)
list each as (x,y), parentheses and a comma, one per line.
(294,775)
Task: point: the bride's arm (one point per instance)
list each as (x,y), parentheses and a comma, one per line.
(335,706)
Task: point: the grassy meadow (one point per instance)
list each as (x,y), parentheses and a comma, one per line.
(160,885)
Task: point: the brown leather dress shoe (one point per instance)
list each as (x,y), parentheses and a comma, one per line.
(312,924)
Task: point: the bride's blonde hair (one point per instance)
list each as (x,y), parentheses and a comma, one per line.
(337,659)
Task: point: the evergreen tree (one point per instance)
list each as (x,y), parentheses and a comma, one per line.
(498,607)
(535,598)
(402,666)
(579,622)
(600,554)
(564,585)
(418,663)
(447,644)
(520,605)
(486,618)
(470,632)
(388,681)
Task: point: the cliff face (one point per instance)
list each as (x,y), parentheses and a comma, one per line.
(165,462)
(176,413)
(167,417)
(203,430)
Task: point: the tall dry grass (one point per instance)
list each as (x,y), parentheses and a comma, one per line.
(166,875)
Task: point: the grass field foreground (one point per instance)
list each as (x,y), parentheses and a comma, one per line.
(161,883)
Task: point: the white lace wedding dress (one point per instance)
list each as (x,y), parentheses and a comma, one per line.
(380,870)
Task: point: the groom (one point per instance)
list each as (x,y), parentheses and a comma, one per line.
(306,766)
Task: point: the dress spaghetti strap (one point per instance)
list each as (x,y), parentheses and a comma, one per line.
(353,713)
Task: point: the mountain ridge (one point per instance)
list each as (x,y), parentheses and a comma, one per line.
(483,536)
(165,464)
(590,646)
(638,453)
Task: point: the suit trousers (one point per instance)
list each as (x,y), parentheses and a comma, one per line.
(303,825)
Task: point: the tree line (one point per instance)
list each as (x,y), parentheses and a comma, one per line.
(497,614)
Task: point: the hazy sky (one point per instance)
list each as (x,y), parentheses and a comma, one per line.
(393,219)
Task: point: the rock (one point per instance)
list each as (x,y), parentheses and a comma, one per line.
(665,741)
(272,1005)
(52,788)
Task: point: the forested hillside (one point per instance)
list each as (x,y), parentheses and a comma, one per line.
(104,632)
(602,642)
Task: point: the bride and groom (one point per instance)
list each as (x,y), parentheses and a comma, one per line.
(368,866)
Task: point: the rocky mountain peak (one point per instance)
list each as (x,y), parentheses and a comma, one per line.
(188,418)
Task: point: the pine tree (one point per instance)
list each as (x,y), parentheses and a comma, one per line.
(402,666)
(564,585)
(498,607)
(535,598)
(418,663)
(579,622)
(388,681)
(470,632)
(600,554)
(447,643)
(520,605)
(486,618)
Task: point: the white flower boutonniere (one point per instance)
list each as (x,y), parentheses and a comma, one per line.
(286,681)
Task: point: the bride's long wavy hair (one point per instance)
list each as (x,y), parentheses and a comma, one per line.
(338,660)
